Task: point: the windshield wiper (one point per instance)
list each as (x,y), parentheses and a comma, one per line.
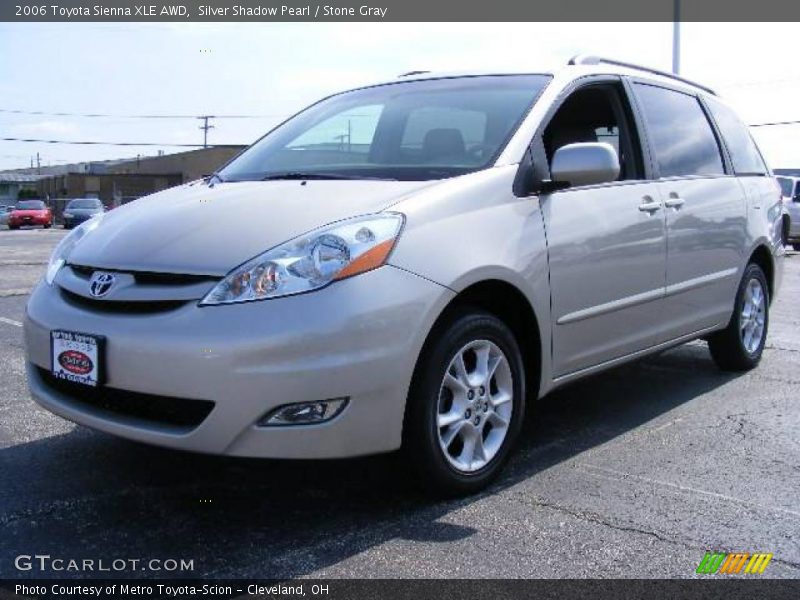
(302,175)
(210,179)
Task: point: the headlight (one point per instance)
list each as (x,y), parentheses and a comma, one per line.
(311,261)
(65,246)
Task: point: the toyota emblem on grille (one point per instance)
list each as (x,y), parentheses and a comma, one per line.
(101,283)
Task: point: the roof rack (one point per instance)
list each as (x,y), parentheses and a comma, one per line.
(587,59)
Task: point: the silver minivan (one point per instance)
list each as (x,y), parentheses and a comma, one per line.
(406,265)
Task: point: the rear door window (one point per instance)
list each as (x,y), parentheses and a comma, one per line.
(680,133)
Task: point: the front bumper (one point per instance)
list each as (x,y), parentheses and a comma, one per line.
(358,338)
(28,222)
(76,220)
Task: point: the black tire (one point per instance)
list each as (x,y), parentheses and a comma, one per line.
(47,226)
(13,227)
(727,346)
(796,246)
(420,431)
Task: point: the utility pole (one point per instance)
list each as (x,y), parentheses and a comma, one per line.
(205,127)
(38,164)
(676,37)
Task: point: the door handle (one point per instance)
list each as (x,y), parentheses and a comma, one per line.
(674,201)
(649,205)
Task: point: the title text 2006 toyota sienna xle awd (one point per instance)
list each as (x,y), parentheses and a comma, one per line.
(403,265)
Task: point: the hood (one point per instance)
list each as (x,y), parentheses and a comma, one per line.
(197,229)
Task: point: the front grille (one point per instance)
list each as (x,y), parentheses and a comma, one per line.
(179,414)
(121,306)
(152,278)
(148,277)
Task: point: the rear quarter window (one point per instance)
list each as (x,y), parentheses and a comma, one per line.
(744,153)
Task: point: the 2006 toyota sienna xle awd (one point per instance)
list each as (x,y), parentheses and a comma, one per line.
(402,265)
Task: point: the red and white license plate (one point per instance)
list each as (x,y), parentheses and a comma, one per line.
(77,357)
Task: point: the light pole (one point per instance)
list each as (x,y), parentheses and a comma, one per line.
(676,38)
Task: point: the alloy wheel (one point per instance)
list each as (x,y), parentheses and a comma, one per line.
(475,405)
(753,316)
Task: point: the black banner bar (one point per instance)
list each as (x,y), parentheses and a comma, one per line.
(722,587)
(188,11)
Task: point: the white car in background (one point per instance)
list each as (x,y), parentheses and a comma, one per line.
(790,191)
(5,211)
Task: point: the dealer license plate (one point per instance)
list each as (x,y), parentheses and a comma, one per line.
(77,357)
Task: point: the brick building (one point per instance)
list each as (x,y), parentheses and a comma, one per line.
(120,181)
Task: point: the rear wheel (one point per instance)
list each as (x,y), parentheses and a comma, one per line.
(739,346)
(466,403)
(796,246)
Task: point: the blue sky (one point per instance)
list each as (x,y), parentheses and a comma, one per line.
(275,69)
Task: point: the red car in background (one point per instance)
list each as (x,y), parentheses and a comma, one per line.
(30,212)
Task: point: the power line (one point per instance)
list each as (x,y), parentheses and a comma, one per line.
(763,82)
(205,127)
(95,143)
(775,123)
(42,113)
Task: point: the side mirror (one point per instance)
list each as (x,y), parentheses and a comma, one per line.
(585,164)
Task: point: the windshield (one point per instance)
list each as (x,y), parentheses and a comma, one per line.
(414,130)
(84,203)
(30,205)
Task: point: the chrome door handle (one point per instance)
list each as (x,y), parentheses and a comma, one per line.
(649,205)
(674,201)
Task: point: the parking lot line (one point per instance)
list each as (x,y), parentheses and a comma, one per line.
(14,292)
(613,474)
(10,322)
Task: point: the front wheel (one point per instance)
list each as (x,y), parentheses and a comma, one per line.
(466,403)
(739,346)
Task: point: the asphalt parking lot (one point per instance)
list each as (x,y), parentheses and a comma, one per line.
(634,473)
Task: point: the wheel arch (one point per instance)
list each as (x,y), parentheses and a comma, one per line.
(762,256)
(508,303)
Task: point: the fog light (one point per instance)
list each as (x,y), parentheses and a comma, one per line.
(304,413)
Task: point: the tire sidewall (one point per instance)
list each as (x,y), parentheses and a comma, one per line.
(752,271)
(464,328)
